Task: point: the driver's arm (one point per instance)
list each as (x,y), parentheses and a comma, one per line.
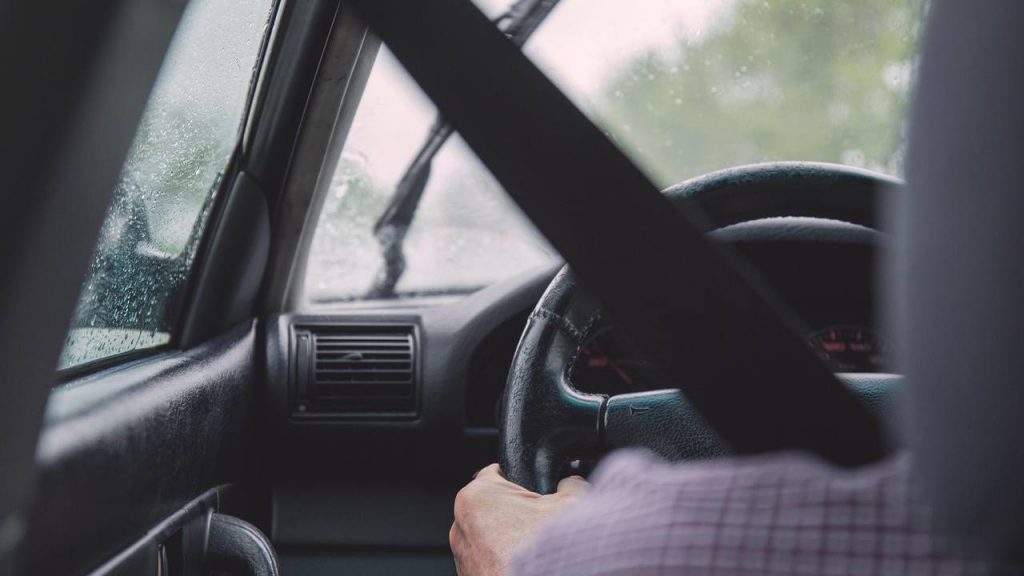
(774,514)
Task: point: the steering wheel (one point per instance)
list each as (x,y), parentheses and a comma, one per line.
(546,422)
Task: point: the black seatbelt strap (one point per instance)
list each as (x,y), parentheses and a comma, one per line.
(685,301)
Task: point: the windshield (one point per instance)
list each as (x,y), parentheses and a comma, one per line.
(684,87)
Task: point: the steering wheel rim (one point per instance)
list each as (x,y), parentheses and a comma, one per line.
(546,422)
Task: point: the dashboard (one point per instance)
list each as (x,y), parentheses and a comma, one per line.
(822,271)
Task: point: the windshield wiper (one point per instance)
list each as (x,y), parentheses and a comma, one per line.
(518,23)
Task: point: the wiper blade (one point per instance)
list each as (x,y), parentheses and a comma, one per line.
(393,224)
(523,18)
(518,23)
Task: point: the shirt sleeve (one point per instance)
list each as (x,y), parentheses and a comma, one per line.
(779,514)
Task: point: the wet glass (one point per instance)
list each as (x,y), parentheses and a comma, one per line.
(134,288)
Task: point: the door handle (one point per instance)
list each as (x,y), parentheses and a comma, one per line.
(238,547)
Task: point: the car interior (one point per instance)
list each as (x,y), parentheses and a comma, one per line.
(281,276)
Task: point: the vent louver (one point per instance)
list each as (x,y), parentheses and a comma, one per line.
(356,370)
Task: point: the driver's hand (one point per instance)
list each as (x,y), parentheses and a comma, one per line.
(494,517)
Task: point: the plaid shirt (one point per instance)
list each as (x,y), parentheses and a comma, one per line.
(781,514)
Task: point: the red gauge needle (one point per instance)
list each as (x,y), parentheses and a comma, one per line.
(597,358)
(620,371)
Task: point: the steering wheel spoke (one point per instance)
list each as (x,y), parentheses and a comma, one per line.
(662,421)
(564,424)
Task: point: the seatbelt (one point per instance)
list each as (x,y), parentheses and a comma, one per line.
(731,349)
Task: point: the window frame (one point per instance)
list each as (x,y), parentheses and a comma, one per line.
(350,51)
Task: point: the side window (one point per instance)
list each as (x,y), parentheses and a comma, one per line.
(134,289)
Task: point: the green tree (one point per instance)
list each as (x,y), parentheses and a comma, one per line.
(776,80)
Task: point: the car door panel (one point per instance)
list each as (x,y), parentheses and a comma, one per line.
(124,449)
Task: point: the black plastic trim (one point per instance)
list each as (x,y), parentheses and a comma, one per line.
(295,379)
(227,278)
(144,554)
(140,441)
(100,365)
(432,447)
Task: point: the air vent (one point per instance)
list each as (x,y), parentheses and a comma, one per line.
(355,370)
